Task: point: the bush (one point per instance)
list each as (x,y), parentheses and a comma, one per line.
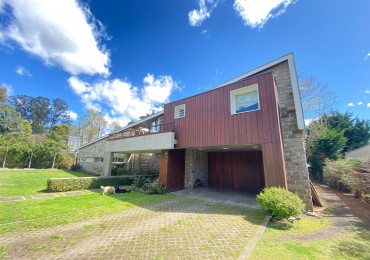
(339,174)
(280,202)
(140,181)
(155,188)
(64,160)
(75,167)
(119,170)
(84,183)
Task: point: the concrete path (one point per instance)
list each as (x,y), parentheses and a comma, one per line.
(180,227)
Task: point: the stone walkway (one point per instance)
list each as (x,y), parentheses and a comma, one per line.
(46,195)
(181,227)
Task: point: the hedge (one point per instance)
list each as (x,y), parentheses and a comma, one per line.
(85,183)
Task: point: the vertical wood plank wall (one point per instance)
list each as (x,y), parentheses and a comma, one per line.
(208,122)
(172,169)
(236,170)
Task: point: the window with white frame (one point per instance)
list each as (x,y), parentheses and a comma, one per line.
(244,99)
(180,111)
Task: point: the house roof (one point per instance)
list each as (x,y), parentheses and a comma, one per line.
(124,128)
(362,152)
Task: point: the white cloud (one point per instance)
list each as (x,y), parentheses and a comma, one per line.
(73,115)
(308,121)
(367,91)
(120,100)
(60,32)
(368,104)
(359,103)
(20,70)
(197,16)
(257,13)
(350,104)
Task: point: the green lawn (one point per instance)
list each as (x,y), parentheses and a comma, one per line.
(30,182)
(287,241)
(18,215)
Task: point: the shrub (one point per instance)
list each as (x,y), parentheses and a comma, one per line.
(75,167)
(119,170)
(83,183)
(140,181)
(155,188)
(280,202)
(339,174)
(64,160)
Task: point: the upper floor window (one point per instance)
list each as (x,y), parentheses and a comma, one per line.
(244,99)
(180,111)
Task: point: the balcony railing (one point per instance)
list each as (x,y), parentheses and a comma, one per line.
(142,130)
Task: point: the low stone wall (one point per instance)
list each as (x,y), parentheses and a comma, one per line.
(94,168)
(196,167)
(145,164)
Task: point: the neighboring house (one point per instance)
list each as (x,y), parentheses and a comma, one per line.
(245,134)
(362,152)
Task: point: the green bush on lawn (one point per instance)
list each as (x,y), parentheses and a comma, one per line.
(280,202)
(84,183)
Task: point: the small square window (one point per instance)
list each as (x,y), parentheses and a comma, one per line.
(180,111)
(244,99)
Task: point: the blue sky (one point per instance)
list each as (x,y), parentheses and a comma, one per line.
(127,58)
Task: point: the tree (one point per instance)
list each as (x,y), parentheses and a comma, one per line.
(92,127)
(59,113)
(3,95)
(115,126)
(40,112)
(327,145)
(317,98)
(10,120)
(355,130)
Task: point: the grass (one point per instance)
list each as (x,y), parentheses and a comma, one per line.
(43,213)
(286,241)
(30,182)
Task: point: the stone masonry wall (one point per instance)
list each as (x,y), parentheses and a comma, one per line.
(196,167)
(145,164)
(94,150)
(293,138)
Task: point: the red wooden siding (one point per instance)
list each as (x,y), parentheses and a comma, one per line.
(172,169)
(273,164)
(208,120)
(236,170)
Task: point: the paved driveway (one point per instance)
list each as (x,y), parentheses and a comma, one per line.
(176,228)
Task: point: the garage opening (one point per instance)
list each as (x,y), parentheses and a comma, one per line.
(241,170)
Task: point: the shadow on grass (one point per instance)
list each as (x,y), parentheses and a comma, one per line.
(357,247)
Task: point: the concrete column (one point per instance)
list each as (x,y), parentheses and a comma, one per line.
(107,167)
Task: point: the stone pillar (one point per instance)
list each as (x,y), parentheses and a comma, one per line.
(107,167)
(196,167)
(293,138)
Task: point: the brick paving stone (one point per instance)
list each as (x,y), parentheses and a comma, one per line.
(16,198)
(71,193)
(44,196)
(177,228)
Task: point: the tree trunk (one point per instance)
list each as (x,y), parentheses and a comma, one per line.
(6,154)
(29,164)
(52,167)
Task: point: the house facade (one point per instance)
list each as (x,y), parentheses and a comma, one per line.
(245,134)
